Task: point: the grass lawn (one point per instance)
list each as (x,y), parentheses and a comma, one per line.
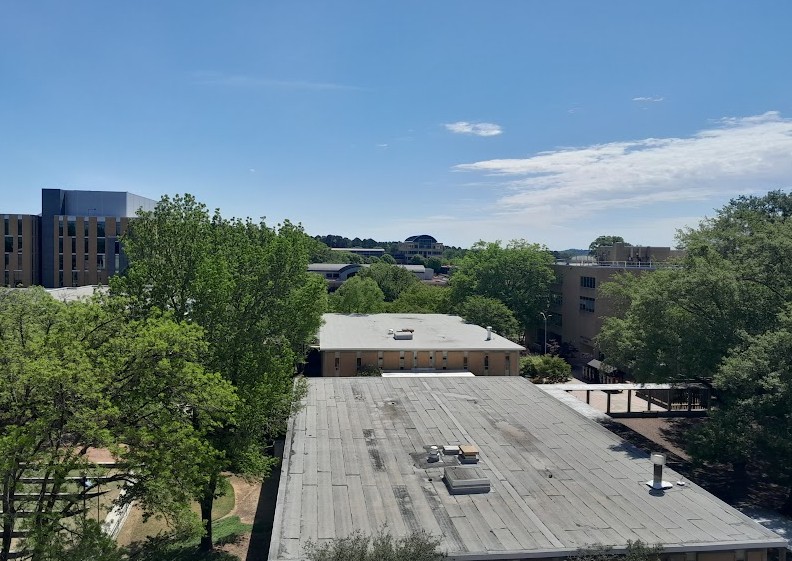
(136,530)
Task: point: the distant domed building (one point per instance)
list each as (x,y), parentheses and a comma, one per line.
(422,245)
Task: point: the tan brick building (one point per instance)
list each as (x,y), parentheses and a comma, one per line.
(413,342)
(21,254)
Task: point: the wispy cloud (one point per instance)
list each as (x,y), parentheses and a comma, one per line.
(732,156)
(649,99)
(248,81)
(477,129)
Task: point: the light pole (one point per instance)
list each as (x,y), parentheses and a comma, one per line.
(544,317)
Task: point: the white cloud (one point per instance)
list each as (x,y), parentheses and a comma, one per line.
(734,156)
(651,99)
(478,129)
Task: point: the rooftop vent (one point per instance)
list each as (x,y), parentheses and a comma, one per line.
(403,334)
(465,480)
(489,333)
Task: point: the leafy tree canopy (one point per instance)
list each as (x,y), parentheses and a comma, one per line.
(391,279)
(421,298)
(96,374)
(358,295)
(519,275)
(721,315)
(545,369)
(483,311)
(247,285)
(418,546)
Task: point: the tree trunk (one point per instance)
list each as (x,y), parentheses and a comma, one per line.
(207,542)
(786,508)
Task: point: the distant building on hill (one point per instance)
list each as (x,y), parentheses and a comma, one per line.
(424,246)
(362,251)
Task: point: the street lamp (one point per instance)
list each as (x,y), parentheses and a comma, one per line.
(544,317)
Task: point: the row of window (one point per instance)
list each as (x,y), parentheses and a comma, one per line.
(100,245)
(380,361)
(9,244)
(69,227)
(588,282)
(7,227)
(586,304)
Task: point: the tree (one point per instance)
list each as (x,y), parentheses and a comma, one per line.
(386,258)
(358,296)
(753,419)
(418,546)
(247,285)
(95,374)
(605,241)
(483,311)
(545,369)
(519,275)
(392,279)
(435,264)
(417,260)
(422,298)
(721,315)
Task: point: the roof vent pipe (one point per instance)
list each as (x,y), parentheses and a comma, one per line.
(657,483)
(489,332)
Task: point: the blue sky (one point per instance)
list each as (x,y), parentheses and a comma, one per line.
(553,121)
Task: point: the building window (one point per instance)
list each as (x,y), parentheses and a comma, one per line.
(60,245)
(100,228)
(74,262)
(74,245)
(19,226)
(379,359)
(588,282)
(445,360)
(75,278)
(9,244)
(5,228)
(100,261)
(85,227)
(465,361)
(358,363)
(86,246)
(508,364)
(586,304)
(486,362)
(337,361)
(71,227)
(401,360)
(19,244)
(60,262)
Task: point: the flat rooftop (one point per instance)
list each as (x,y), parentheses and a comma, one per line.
(559,481)
(433,332)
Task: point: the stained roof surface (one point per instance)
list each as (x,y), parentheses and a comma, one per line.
(559,481)
(435,332)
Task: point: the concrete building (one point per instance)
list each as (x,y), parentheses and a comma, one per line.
(578,308)
(336,273)
(628,255)
(73,242)
(79,234)
(413,342)
(21,250)
(362,251)
(423,246)
(548,481)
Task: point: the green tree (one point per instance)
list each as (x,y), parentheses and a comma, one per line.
(434,263)
(519,275)
(418,546)
(605,241)
(247,285)
(417,260)
(720,314)
(422,298)
(483,311)
(753,420)
(545,369)
(386,258)
(392,279)
(95,374)
(358,296)
(635,551)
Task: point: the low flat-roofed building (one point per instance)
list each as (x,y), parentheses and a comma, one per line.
(552,481)
(362,251)
(413,342)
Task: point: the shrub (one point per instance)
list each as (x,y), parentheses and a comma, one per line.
(419,546)
(545,369)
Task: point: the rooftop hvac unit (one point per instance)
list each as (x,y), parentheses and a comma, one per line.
(465,480)
(403,334)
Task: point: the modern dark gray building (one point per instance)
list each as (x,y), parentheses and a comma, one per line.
(74,242)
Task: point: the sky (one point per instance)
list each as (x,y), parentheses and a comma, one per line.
(554,121)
